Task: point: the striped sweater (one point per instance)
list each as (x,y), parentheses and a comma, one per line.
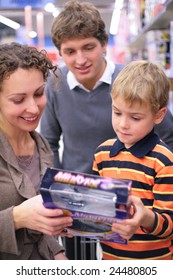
(149,164)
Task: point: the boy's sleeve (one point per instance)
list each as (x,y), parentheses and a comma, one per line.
(163,203)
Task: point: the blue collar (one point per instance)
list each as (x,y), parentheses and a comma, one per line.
(140,149)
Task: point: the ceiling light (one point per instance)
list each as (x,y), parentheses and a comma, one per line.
(49,7)
(116,17)
(32,34)
(9,22)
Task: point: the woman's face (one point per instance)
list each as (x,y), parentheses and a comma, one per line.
(22,100)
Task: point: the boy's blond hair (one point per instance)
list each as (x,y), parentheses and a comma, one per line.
(143,82)
(78,20)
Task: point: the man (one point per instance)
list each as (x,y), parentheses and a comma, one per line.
(79,107)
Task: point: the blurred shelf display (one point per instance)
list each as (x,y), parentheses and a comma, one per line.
(151,32)
(159,17)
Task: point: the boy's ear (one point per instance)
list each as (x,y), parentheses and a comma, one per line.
(160,115)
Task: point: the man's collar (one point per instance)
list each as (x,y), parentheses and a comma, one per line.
(140,149)
(71,80)
(107,74)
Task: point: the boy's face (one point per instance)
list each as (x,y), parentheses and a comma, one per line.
(132,123)
(84,58)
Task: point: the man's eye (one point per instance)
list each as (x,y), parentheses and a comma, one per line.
(69,52)
(89,48)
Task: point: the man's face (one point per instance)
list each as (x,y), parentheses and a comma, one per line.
(84,58)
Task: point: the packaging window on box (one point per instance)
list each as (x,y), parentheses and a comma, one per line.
(94,202)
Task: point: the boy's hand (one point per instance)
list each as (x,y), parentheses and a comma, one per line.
(141,217)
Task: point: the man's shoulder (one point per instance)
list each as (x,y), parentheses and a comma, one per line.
(63,70)
(118,68)
(58,84)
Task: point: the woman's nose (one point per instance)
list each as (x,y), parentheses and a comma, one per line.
(32,107)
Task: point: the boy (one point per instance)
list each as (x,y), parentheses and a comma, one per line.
(139,98)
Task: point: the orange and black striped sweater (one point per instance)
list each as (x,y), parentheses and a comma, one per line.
(149,165)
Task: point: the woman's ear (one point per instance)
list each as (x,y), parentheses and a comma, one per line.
(160,115)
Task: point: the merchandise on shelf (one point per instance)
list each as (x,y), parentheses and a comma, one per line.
(158,47)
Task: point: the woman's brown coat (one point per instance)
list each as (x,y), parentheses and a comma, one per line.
(15,187)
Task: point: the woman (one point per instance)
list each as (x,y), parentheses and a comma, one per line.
(27,228)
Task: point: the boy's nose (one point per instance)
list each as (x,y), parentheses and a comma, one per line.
(124,123)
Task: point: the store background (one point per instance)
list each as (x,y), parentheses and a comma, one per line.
(144,29)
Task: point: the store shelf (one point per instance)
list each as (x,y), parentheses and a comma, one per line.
(162,21)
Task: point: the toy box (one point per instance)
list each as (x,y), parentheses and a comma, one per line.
(94,202)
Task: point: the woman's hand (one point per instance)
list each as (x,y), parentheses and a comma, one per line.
(140,216)
(32,214)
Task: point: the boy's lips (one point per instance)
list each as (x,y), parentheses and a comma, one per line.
(123,134)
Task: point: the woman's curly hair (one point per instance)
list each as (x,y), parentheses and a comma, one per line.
(15,55)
